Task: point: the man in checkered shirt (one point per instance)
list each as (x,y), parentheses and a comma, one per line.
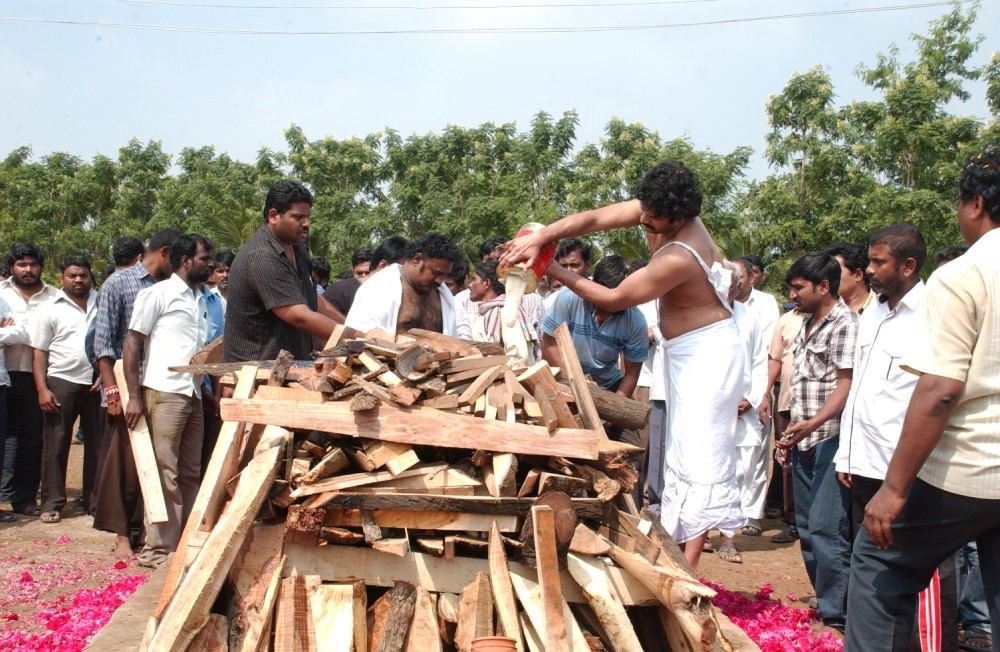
(821,379)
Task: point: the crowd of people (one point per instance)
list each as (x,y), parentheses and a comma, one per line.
(866,410)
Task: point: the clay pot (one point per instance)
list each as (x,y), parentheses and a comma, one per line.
(493,644)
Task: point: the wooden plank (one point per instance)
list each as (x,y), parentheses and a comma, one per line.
(341,482)
(254,578)
(577,380)
(547,558)
(332,609)
(456,365)
(258,620)
(534,641)
(190,605)
(424,636)
(418,426)
(589,574)
(288,394)
(293,627)
(446,402)
(146,465)
(479,385)
(544,389)
(586,508)
(530,482)
(503,590)
(530,596)
(421,520)
(475,612)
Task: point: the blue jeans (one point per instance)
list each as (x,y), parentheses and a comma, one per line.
(972,607)
(821,515)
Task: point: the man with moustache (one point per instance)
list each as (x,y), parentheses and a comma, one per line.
(169,325)
(66,386)
(26,294)
(273,303)
(411,294)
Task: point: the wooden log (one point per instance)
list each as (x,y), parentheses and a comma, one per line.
(189,608)
(213,636)
(589,574)
(402,601)
(404,395)
(424,636)
(577,380)
(419,426)
(333,462)
(296,468)
(503,590)
(475,612)
(279,370)
(339,374)
(254,578)
(362,402)
(341,536)
(440,342)
(547,558)
(565,483)
(619,410)
(347,564)
(146,465)
(421,520)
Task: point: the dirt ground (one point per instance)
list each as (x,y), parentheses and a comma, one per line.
(32,545)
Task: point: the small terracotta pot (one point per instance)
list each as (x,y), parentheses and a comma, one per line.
(493,644)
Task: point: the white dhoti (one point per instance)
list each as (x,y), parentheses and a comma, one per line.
(704,371)
(752,466)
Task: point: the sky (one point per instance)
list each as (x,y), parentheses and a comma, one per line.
(80,76)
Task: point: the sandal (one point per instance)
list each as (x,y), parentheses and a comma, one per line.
(729,552)
(788,535)
(7,516)
(707,546)
(50,517)
(30,509)
(750,531)
(975,638)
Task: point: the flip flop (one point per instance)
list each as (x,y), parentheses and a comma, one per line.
(750,531)
(50,517)
(729,552)
(7,516)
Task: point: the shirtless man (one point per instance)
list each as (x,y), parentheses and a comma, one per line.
(704,349)
(411,294)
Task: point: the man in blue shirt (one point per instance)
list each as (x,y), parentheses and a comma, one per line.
(600,336)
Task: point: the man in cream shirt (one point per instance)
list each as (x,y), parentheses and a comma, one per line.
(942,486)
(170,322)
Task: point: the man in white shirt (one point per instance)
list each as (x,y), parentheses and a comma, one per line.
(170,323)
(26,294)
(64,379)
(763,306)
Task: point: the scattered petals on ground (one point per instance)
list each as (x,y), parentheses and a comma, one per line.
(59,604)
(772,625)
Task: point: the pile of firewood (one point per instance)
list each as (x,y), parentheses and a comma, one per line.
(421,493)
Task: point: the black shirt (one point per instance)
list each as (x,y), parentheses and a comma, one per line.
(263,278)
(341,294)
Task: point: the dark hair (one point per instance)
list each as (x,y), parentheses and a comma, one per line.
(362,255)
(187,245)
(224,258)
(755,261)
(434,245)
(635,264)
(904,241)
(71,261)
(125,249)
(855,257)
(24,250)
(283,194)
(490,245)
(321,267)
(569,245)
(981,176)
(746,263)
(459,271)
(950,253)
(488,271)
(670,190)
(164,238)
(391,251)
(610,271)
(816,267)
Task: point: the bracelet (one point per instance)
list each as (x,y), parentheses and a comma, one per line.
(111,391)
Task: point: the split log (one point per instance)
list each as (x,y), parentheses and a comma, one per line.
(335,611)
(475,612)
(547,563)
(402,600)
(503,590)
(333,462)
(589,574)
(424,636)
(577,380)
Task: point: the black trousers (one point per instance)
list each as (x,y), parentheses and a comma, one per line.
(24,429)
(76,401)
(933,524)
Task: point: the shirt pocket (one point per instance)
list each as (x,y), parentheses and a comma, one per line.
(817,361)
